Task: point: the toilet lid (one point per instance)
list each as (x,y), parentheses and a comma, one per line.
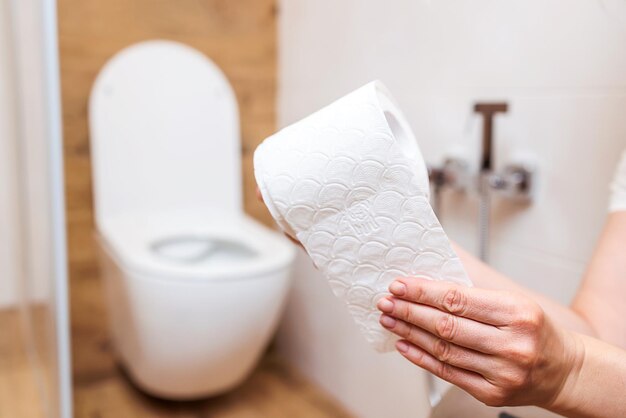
(164,132)
(196,245)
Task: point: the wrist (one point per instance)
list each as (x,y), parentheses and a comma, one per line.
(571,362)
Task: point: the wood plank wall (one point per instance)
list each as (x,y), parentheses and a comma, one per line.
(239,35)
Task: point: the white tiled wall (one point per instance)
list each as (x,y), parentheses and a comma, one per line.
(561,66)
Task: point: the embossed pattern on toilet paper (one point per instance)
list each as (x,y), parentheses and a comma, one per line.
(343,186)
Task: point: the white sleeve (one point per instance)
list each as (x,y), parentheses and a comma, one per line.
(618,187)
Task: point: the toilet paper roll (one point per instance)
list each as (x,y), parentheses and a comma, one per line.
(350,184)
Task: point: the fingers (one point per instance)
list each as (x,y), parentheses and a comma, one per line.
(442,350)
(466,380)
(488,306)
(458,330)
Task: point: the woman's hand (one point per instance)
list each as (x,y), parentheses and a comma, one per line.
(499,346)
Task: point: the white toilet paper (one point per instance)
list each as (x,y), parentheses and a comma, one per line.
(350,184)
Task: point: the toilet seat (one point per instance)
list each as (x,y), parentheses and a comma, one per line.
(194,245)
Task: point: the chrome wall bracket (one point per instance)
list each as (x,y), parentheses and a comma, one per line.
(516,181)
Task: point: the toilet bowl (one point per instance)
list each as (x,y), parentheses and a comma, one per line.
(194,287)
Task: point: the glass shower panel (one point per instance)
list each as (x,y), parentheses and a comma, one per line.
(41,200)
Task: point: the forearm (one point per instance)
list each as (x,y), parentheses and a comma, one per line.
(600,297)
(596,387)
(486,277)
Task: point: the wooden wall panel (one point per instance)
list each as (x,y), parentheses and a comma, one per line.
(239,35)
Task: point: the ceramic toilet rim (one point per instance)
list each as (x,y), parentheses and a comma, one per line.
(128,236)
(198,278)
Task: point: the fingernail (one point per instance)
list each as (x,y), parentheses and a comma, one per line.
(385,305)
(397,288)
(387,321)
(402,346)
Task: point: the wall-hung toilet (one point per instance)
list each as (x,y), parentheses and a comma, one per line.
(194,287)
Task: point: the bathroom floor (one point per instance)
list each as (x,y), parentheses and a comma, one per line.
(273,391)
(19,395)
(101,389)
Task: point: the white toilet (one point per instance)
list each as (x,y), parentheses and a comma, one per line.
(195,288)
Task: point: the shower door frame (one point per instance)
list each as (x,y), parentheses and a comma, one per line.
(41,201)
